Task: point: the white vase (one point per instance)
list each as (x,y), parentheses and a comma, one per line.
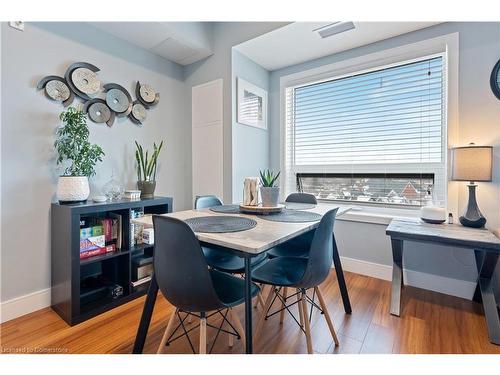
(73,188)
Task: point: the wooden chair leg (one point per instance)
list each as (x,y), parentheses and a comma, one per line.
(327,316)
(266,308)
(307,326)
(237,324)
(259,300)
(299,306)
(203,335)
(168,332)
(282,313)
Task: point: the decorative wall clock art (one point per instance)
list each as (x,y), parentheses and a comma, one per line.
(99,112)
(146,95)
(82,79)
(102,103)
(138,114)
(118,99)
(56,89)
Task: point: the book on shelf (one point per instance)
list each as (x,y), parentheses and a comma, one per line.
(135,229)
(116,229)
(99,251)
(92,243)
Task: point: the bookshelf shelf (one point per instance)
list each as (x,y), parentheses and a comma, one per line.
(99,258)
(72,296)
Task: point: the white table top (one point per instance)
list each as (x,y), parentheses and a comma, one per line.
(263,236)
(446,234)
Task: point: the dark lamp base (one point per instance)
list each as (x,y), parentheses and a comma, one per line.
(472,217)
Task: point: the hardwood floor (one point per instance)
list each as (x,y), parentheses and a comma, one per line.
(430,323)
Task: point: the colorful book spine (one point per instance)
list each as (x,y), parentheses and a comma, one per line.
(107,229)
(99,251)
(92,243)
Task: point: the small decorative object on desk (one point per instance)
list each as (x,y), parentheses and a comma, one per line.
(450,218)
(100,198)
(112,189)
(146,169)
(269,192)
(251,191)
(132,194)
(432,212)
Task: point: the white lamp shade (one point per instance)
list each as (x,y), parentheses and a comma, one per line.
(472,163)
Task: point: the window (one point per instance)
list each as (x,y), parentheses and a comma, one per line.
(376,136)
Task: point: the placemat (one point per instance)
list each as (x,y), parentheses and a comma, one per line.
(226,209)
(220,224)
(299,206)
(293,216)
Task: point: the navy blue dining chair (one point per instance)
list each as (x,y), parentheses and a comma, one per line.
(300,274)
(298,246)
(187,282)
(218,258)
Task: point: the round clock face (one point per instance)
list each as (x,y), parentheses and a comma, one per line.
(86,81)
(99,112)
(148,94)
(117,100)
(495,80)
(139,112)
(57,90)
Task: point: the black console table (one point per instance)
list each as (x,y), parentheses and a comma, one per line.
(72,302)
(484,244)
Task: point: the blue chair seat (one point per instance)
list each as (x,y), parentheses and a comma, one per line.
(296,247)
(222,260)
(230,289)
(282,271)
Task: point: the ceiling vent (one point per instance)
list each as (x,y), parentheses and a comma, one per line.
(334,28)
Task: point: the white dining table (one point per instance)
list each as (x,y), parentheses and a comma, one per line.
(246,244)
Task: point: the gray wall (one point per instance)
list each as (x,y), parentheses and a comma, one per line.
(226,35)
(250,144)
(479,122)
(29,120)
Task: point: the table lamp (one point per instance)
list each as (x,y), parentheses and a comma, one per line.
(472,163)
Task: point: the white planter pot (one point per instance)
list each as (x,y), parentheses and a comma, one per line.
(73,188)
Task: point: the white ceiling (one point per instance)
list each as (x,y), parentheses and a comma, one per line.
(297,42)
(181,42)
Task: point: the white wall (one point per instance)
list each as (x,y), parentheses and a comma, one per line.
(250,145)
(226,35)
(29,121)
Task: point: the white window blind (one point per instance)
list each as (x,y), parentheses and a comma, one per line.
(388,119)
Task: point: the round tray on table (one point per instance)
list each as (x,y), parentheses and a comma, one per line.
(261,210)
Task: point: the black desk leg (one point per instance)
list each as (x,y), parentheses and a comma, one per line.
(486,263)
(147,312)
(248,306)
(397,276)
(340,278)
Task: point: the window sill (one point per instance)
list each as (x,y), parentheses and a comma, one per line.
(376,215)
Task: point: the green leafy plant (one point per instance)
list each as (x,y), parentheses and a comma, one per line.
(73,146)
(146,165)
(268,178)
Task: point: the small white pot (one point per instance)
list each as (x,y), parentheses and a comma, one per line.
(73,188)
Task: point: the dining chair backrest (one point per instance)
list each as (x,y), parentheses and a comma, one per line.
(321,252)
(206,201)
(180,267)
(301,198)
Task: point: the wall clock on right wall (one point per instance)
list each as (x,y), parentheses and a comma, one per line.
(495,80)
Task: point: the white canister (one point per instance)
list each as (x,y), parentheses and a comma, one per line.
(73,188)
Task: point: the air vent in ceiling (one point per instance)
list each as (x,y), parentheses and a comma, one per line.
(334,28)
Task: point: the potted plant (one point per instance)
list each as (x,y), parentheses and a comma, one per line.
(268,191)
(146,169)
(78,154)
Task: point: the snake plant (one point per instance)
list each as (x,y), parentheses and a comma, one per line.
(268,178)
(146,164)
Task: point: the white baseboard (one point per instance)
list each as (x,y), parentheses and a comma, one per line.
(441,284)
(23,305)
